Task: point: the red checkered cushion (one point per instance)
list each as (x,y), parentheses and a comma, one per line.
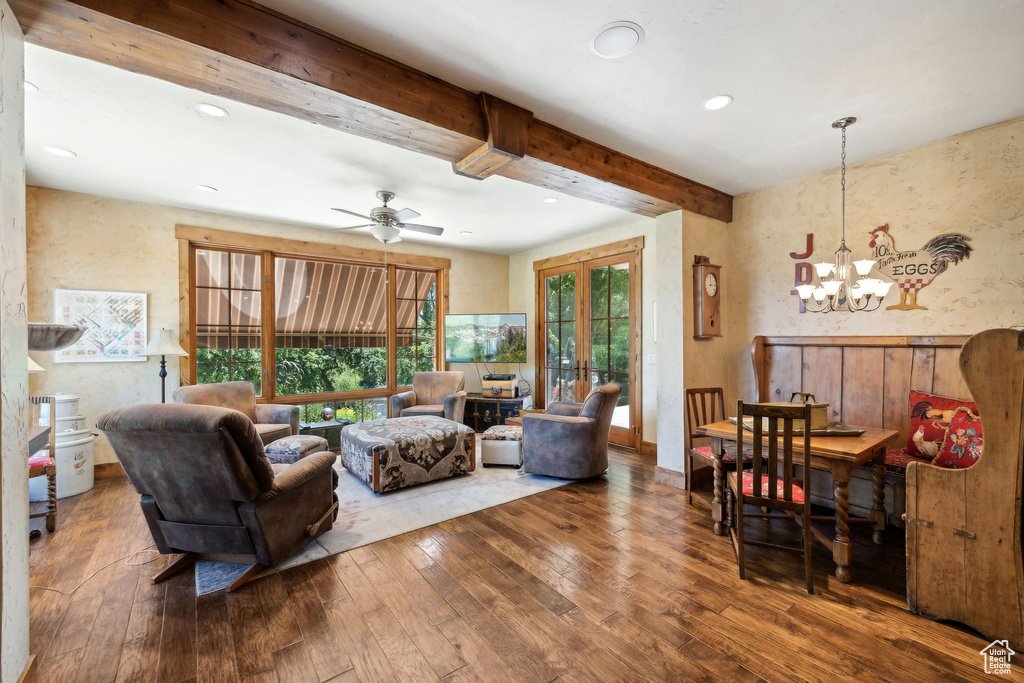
(748,486)
(897,459)
(730,454)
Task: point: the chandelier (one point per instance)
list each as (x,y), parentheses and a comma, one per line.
(840,293)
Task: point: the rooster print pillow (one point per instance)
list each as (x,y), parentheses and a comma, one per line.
(929,420)
(962,446)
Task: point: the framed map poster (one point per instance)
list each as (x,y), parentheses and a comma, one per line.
(117,325)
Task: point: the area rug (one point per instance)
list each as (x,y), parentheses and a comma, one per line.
(366,517)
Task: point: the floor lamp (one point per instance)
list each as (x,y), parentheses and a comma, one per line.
(165,344)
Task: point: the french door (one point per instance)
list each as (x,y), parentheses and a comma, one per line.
(589,335)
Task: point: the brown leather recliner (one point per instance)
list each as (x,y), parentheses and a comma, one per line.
(209,491)
(570,441)
(272,421)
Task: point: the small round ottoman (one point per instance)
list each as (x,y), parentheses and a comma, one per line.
(291,449)
(502,445)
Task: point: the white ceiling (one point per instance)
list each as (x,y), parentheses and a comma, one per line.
(912,71)
(140,138)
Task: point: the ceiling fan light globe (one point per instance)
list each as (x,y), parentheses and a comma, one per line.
(385,233)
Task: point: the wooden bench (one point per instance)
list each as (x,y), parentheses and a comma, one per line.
(866,380)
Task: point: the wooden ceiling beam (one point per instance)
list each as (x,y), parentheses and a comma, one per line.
(245,52)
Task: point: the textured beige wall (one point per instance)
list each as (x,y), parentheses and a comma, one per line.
(13,353)
(79,241)
(971,183)
(522,298)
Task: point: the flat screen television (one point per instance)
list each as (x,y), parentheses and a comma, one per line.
(490,338)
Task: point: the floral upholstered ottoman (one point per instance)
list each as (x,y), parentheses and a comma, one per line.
(404,451)
(290,449)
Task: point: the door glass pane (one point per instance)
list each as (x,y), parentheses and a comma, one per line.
(568,346)
(618,345)
(552,298)
(245,271)
(599,345)
(551,334)
(568,296)
(621,416)
(568,386)
(599,293)
(618,283)
(554,384)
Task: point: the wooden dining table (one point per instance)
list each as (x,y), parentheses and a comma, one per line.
(838,455)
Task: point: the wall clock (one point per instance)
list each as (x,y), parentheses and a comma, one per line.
(707,295)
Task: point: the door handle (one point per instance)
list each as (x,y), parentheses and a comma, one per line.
(586,373)
(577,371)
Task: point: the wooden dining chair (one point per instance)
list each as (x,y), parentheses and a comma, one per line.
(704,406)
(767,490)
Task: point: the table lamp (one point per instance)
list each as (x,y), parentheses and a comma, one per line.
(164,344)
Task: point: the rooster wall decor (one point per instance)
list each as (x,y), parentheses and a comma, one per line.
(912,271)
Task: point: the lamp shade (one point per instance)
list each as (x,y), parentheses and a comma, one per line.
(164,344)
(34,366)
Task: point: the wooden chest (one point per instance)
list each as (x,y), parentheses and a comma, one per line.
(486,411)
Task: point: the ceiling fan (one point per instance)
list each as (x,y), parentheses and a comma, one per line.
(386,223)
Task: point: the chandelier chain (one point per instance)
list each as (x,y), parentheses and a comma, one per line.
(842,184)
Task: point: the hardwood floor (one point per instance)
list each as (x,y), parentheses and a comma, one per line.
(613,579)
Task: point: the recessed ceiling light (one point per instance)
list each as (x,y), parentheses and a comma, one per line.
(206,188)
(466,232)
(550,200)
(61,152)
(717,102)
(31,87)
(212,110)
(617,39)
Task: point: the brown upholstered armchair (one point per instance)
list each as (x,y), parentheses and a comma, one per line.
(208,491)
(570,440)
(433,393)
(272,421)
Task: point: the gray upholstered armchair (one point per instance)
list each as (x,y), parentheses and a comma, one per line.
(433,393)
(272,421)
(208,490)
(570,440)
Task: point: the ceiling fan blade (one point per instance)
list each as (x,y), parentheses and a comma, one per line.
(353,213)
(415,227)
(353,227)
(405,214)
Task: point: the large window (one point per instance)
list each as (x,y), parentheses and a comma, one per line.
(339,334)
(416,316)
(228,315)
(331,329)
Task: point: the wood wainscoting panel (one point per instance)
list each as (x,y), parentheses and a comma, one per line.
(947,379)
(899,364)
(823,377)
(785,372)
(863,385)
(923,372)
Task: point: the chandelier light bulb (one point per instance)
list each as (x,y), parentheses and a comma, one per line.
(819,293)
(856,292)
